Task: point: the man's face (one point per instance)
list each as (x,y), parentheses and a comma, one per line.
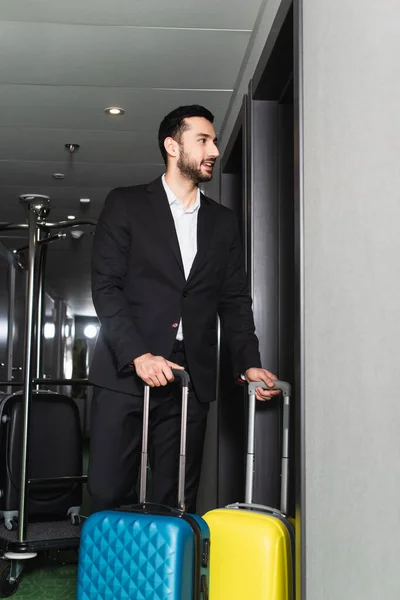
(197,150)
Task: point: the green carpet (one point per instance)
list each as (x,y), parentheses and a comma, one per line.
(44,579)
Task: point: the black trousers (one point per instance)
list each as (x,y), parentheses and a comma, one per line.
(115,444)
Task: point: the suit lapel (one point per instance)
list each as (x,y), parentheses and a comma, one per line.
(164,221)
(205,230)
(165,226)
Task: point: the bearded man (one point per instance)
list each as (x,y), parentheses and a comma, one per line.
(167,260)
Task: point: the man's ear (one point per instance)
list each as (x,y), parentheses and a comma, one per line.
(171,147)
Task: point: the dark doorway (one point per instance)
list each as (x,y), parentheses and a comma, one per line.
(257,182)
(231,405)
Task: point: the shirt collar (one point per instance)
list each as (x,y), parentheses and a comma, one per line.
(172,198)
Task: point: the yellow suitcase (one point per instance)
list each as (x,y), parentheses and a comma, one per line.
(252,546)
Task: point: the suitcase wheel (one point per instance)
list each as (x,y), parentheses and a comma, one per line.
(75,519)
(7,587)
(74,515)
(11,525)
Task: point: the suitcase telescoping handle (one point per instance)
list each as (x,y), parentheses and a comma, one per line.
(286,393)
(184,377)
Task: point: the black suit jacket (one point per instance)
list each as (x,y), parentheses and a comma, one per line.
(140,292)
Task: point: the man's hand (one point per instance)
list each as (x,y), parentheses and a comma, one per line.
(265,376)
(155,370)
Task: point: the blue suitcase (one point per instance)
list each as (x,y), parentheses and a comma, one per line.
(147,552)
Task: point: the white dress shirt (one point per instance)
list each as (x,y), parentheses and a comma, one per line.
(186,231)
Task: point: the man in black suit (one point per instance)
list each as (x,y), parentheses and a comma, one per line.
(166,261)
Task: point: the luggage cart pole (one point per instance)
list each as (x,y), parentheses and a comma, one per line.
(38,208)
(11,316)
(40,304)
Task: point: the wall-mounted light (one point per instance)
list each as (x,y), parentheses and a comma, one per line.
(84,200)
(3,330)
(114,111)
(58,175)
(90,331)
(71,217)
(49,331)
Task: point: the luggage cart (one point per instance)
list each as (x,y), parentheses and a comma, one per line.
(27,540)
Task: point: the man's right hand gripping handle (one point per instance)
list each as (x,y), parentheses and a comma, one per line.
(155,370)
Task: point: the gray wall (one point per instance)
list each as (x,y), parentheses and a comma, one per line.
(352,298)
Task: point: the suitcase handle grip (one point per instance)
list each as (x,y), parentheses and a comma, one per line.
(286,390)
(184,377)
(152,508)
(285,387)
(258,507)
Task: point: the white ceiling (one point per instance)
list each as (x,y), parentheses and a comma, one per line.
(63,63)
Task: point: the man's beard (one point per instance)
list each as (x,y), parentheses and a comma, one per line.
(190,170)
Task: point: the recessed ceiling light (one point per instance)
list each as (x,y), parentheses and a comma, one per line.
(114,110)
(71,217)
(84,200)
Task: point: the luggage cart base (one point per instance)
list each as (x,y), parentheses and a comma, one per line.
(41,537)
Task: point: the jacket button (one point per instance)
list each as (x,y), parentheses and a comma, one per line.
(185,294)
(174,325)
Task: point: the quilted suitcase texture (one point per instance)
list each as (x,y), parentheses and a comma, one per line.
(146,552)
(252,545)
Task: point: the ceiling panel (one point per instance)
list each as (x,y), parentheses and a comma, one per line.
(66,107)
(120,56)
(79,174)
(95,146)
(228,14)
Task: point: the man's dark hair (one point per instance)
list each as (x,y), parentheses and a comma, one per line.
(173,125)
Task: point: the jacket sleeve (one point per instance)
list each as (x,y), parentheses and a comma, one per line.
(110,257)
(235,309)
